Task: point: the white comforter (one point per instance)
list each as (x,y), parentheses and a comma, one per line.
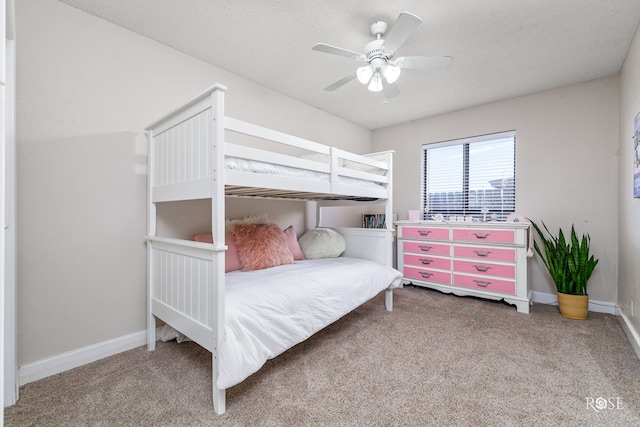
(269,311)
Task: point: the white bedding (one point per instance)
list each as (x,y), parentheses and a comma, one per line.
(236,163)
(269,311)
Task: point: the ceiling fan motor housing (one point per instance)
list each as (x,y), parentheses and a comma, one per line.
(378,28)
(375,50)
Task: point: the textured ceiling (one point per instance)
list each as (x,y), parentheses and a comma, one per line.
(500,48)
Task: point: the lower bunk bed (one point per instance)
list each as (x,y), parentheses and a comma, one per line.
(266,311)
(244,318)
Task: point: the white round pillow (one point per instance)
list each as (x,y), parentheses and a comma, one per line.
(322,243)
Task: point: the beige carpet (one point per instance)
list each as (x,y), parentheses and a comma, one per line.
(435,360)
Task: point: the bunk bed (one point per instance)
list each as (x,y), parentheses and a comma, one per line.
(191,157)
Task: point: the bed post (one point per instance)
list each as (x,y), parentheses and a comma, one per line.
(217,228)
(389,203)
(151,231)
(388,299)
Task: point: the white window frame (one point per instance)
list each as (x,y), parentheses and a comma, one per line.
(463,141)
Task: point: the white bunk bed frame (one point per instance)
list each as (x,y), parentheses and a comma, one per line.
(187,149)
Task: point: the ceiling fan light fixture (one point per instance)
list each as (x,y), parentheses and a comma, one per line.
(391,73)
(364,74)
(376,82)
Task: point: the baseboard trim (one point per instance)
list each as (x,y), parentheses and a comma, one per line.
(82,356)
(543,298)
(631,332)
(595,306)
(76,358)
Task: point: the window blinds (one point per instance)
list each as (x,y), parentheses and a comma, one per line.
(470,177)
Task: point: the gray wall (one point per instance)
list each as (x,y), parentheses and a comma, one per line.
(629,207)
(566,164)
(86,91)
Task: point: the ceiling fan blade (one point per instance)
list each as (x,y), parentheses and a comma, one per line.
(424,62)
(346,79)
(327,48)
(404,26)
(389,89)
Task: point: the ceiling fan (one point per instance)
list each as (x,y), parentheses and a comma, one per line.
(383,68)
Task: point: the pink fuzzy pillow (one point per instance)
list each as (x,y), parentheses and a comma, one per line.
(292,243)
(231,258)
(261,246)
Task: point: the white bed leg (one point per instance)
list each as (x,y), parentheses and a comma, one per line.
(151,332)
(218,400)
(388,300)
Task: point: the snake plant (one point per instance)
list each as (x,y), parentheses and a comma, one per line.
(568,262)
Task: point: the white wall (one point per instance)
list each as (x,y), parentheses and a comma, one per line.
(566,164)
(184,219)
(629,212)
(86,90)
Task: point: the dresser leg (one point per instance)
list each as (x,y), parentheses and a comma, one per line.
(521,306)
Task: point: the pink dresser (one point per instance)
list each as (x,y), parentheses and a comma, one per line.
(486,260)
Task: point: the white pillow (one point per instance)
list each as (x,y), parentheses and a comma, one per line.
(317,157)
(322,243)
(320,158)
(363,168)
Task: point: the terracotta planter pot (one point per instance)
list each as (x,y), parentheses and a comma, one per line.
(573,306)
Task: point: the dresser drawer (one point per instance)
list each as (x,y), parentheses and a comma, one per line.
(484,268)
(427,261)
(484,235)
(427,248)
(485,284)
(426,232)
(443,277)
(486,253)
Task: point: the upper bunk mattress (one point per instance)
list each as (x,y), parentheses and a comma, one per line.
(245,165)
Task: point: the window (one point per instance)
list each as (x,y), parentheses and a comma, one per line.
(470,177)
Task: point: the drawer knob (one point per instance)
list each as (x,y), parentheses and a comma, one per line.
(426,261)
(425,274)
(482,253)
(481,235)
(482,283)
(482,267)
(424,232)
(425,248)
